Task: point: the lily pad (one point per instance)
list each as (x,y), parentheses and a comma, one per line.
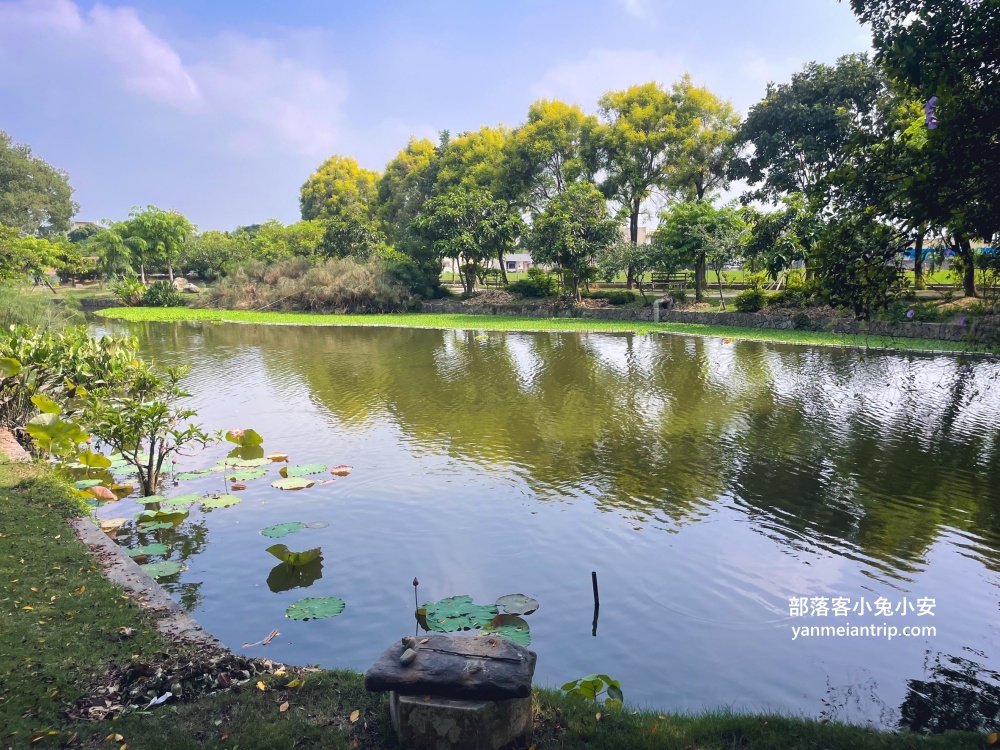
(181,501)
(242,475)
(196,474)
(152,499)
(84,484)
(514,629)
(149,549)
(222,501)
(302,470)
(122,490)
(517,604)
(280,530)
(162,569)
(250,463)
(247,452)
(171,516)
(276,457)
(154,525)
(315,608)
(458,613)
(285,577)
(342,470)
(292,483)
(111,525)
(244,438)
(294,558)
(102,493)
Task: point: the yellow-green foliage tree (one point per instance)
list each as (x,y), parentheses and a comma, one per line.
(340,190)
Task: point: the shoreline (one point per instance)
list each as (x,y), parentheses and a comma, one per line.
(460,321)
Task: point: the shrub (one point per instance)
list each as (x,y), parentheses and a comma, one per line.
(129,290)
(801,322)
(19,308)
(751,300)
(614,296)
(162,294)
(538,284)
(341,285)
(678,295)
(901,311)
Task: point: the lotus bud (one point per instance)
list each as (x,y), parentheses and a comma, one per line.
(415,582)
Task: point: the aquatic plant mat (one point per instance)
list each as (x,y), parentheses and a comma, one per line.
(78,652)
(514,323)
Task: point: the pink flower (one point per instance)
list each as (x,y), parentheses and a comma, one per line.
(236,432)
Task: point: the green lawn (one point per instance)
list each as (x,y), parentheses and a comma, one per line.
(516,323)
(61,621)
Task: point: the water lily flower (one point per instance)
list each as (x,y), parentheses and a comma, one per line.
(236,432)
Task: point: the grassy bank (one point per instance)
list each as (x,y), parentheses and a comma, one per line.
(60,633)
(515,323)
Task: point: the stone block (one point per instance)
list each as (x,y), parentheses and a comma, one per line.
(443,724)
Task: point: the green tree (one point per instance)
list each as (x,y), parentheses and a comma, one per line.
(23,257)
(470,226)
(633,147)
(679,239)
(707,131)
(338,189)
(476,160)
(213,254)
(723,241)
(545,154)
(158,236)
(572,231)
(35,197)
(273,241)
(780,238)
(407,182)
(356,238)
(115,250)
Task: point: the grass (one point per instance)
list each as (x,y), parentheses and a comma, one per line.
(516,323)
(60,617)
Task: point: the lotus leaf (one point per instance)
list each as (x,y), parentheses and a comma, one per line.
(162,569)
(244,438)
(222,501)
(315,608)
(84,484)
(514,629)
(276,457)
(517,604)
(284,577)
(110,525)
(292,483)
(458,613)
(283,529)
(302,470)
(196,474)
(171,516)
(247,452)
(9,367)
(246,474)
(154,525)
(342,470)
(181,501)
(123,469)
(151,500)
(294,558)
(102,493)
(45,404)
(250,463)
(122,490)
(94,460)
(149,549)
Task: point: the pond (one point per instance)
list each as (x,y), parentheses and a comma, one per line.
(708,484)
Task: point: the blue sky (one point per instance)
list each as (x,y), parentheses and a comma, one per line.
(222,109)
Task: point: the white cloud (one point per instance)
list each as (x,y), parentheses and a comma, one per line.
(636,8)
(257,92)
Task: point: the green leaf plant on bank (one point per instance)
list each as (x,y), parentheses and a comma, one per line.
(592,686)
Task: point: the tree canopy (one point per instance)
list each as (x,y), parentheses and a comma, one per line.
(35,197)
(337,190)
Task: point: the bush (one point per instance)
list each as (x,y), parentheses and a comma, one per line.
(538,284)
(678,295)
(614,296)
(341,285)
(796,294)
(162,294)
(752,300)
(901,311)
(129,291)
(37,311)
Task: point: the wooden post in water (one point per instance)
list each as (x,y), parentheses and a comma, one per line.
(597,601)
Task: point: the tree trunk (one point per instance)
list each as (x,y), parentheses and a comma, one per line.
(699,276)
(633,234)
(576,288)
(969,261)
(503,269)
(918,262)
(722,300)
(142,272)
(170,270)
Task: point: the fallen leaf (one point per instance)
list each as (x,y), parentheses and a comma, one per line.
(81,589)
(283,707)
(424,640)
(261,685)
(355,715)
(294,683)
(992,738)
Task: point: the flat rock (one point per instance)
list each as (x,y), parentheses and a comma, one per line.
(483,668)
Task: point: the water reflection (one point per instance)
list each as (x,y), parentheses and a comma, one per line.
(753,472)
(958,694)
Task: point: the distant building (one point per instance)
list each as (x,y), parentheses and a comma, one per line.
(644,236)
(83,224)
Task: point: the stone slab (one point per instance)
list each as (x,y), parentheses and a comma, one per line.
(442,724)
(460,667)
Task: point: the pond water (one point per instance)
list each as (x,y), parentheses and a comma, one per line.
(708,483)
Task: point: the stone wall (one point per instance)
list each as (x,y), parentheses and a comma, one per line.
(980,330)
(98,303)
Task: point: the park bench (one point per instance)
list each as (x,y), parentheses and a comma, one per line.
(456,691)
(670,280)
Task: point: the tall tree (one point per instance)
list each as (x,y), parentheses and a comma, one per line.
(544,155)
(160,236)
(35,197)
(633,147)
(707,131)
(680,238)
(407,182)
(572,231)
(338,189)
(470,226)
(944,53)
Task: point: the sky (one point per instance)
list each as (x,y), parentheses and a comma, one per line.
(222,109)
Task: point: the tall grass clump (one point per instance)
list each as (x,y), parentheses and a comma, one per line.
(336,285)
(18,307)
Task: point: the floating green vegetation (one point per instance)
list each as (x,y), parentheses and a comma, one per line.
(243,475)
(292,483)
(195,474)
(85,484)
(149,549)
(163,568)
(510,627)
(458,613)
(220,501)
(517,604)
(315,608)
(302,470)
(181,501)
(151,500)
(295,559)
